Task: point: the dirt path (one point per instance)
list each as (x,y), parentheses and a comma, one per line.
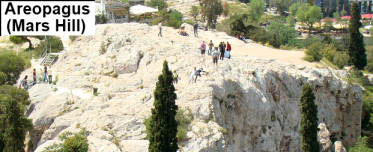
(239,48)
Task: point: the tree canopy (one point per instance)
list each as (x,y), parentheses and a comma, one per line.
(194,12)
(281,5)
(356,49)
(294,8)
(256,10)
(309,120)
(211,9)
(23,39)
(162,127)
(309,14)
(160,4)
(11,65)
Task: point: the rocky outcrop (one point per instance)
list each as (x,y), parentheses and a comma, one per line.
(338,147)
(323,138)
(246,104)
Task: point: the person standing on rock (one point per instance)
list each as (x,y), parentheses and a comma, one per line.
(192,74)
(229,48)
(50,75)
(175,77)
(160,28)
(45,73)
(24,82)
(34,77)
(222,50)
(195,27)
(203,49)
(211,45)
(215,56)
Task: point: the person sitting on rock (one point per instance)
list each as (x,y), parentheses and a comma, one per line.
(175,76)
(198,73)
(242,37)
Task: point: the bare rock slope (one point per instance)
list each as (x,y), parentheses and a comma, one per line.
(264,94)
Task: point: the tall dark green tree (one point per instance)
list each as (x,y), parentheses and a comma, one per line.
(13,122)
(163,126)
(309,120)
(356,49)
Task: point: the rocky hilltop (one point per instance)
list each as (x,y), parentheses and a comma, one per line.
(265,111)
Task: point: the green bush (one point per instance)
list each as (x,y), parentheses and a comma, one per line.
(315,51)
(54,42)
(174,22)
(283,33)
(71,142)
(310,40)
(295,43)
(329,52)
(369,52)
(340,59)
(18,39)
(259,35)
(73,37)
(309,58)
(2,77)
(12,65)
(362,145)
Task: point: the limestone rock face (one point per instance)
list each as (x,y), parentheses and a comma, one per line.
(323,138)
(338,147)
(246,104)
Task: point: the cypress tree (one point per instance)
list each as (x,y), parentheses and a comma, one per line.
(309,120)
(356,49)
(163,126)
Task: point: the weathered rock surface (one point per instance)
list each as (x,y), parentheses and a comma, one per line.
(338,147)
(264,93)
(323,138)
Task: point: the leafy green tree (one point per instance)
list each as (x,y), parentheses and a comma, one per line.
(11,65)
(343,12)
(290,21)
(362,145)
(281,5)
(340,59)
(225,9)
(336,16)
(309,120)
(194,12)
(2,78)
(12,117)
(356,49)
(284,33)
(211,9)
(163,126)
(160,4)
(55,43)
(309,15)
(294,8)
(23,39)
(314,51)
(256,10)
(76,142)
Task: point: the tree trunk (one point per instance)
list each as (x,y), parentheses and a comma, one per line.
(29,44)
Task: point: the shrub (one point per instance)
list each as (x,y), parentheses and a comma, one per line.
(11,65)
(54,42)
(315,51)
(295,43)
(223,130)
(2,77)
(55,80)
(73,37)
(310,40)
(283,33)
(329,52)
(369,66)
(72,142)
(340,59)
(309,58)
(259,35)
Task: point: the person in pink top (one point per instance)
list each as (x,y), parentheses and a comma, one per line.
(203,49)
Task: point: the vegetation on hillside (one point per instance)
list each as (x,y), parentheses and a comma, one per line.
(162,126)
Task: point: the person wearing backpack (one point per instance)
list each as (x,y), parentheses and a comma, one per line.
(215,56)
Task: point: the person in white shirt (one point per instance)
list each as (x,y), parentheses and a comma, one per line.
(192,74)
(160,28)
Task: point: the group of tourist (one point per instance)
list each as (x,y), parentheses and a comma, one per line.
(222,51)
(47,77)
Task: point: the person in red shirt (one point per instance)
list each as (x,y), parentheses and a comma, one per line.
(34,76)
(229,48)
